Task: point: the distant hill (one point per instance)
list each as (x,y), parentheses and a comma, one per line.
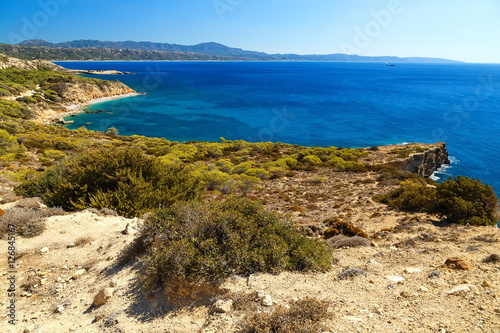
(94,53)
(130,50)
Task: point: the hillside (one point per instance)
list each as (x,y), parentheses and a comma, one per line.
(130,50)
(111,233)
(94,53)
(36,90)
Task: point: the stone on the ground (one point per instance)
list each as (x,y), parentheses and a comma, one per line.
(267,301)
(44,250)
(129,230)
(458,263)
(458,290)
(222,306)
(103,296)
(78,273)
(395,279)
(411,270)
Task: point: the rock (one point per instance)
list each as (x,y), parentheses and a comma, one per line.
(458,290)
(458,263)
(486,284)
(395,279)
(103,296)
(78,273)
(267,301)
(259,294)
(129,230)
(423,289)
(406,294)
(44,250)
(411,270)
(72,244)
(222,306)
(59,309)
(36,315)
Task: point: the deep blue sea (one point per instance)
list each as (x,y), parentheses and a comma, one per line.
(313,104)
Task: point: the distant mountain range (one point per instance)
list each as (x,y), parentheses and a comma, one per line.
(130,50)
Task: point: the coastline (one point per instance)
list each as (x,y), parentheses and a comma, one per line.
(78,107)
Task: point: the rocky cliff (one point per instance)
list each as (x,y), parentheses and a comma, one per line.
(419,158)
(81,92)
(427,162)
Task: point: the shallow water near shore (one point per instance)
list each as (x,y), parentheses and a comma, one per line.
(313,104)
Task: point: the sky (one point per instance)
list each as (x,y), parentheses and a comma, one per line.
(453,29)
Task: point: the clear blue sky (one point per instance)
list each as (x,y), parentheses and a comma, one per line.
(454,29)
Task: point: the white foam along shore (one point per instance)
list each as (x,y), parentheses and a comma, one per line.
(77,108)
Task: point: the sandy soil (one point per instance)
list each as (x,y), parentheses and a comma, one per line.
(409,246)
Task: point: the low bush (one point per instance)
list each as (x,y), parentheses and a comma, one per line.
(205,243)
(304,315)
(125,180)
(28,222)
(409,197)
(461,200)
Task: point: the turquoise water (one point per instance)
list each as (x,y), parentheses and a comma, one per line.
(309,103)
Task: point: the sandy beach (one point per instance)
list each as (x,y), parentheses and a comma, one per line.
(50,116)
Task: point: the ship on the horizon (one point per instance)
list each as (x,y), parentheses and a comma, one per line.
(389,64)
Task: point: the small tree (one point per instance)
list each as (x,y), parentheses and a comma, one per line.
(126,180)
(464,200)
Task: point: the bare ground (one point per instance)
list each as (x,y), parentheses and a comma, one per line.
(365,303)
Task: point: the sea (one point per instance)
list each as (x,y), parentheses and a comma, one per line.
(342,104)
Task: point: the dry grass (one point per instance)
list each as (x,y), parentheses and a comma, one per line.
(31,282)
(32,203)
(303,316)
(341,241)
(28,222)
(350,273)
(82,241)
(9,197)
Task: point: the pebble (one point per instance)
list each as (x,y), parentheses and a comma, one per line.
(267,301)
(486,284)
(411,270)
(395,279)
(460,289)
(44,250)
(423,289)
(222,306)
(78,273)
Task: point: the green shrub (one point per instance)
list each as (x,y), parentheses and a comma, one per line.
(195,242)
(410,197)
(54,154)
(461,200)
(125,180)
(258,173)
(464,200)
(312,159)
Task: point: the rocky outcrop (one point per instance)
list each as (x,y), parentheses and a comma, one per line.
(420,158)
(81,92)
(9,62)
(427,162)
